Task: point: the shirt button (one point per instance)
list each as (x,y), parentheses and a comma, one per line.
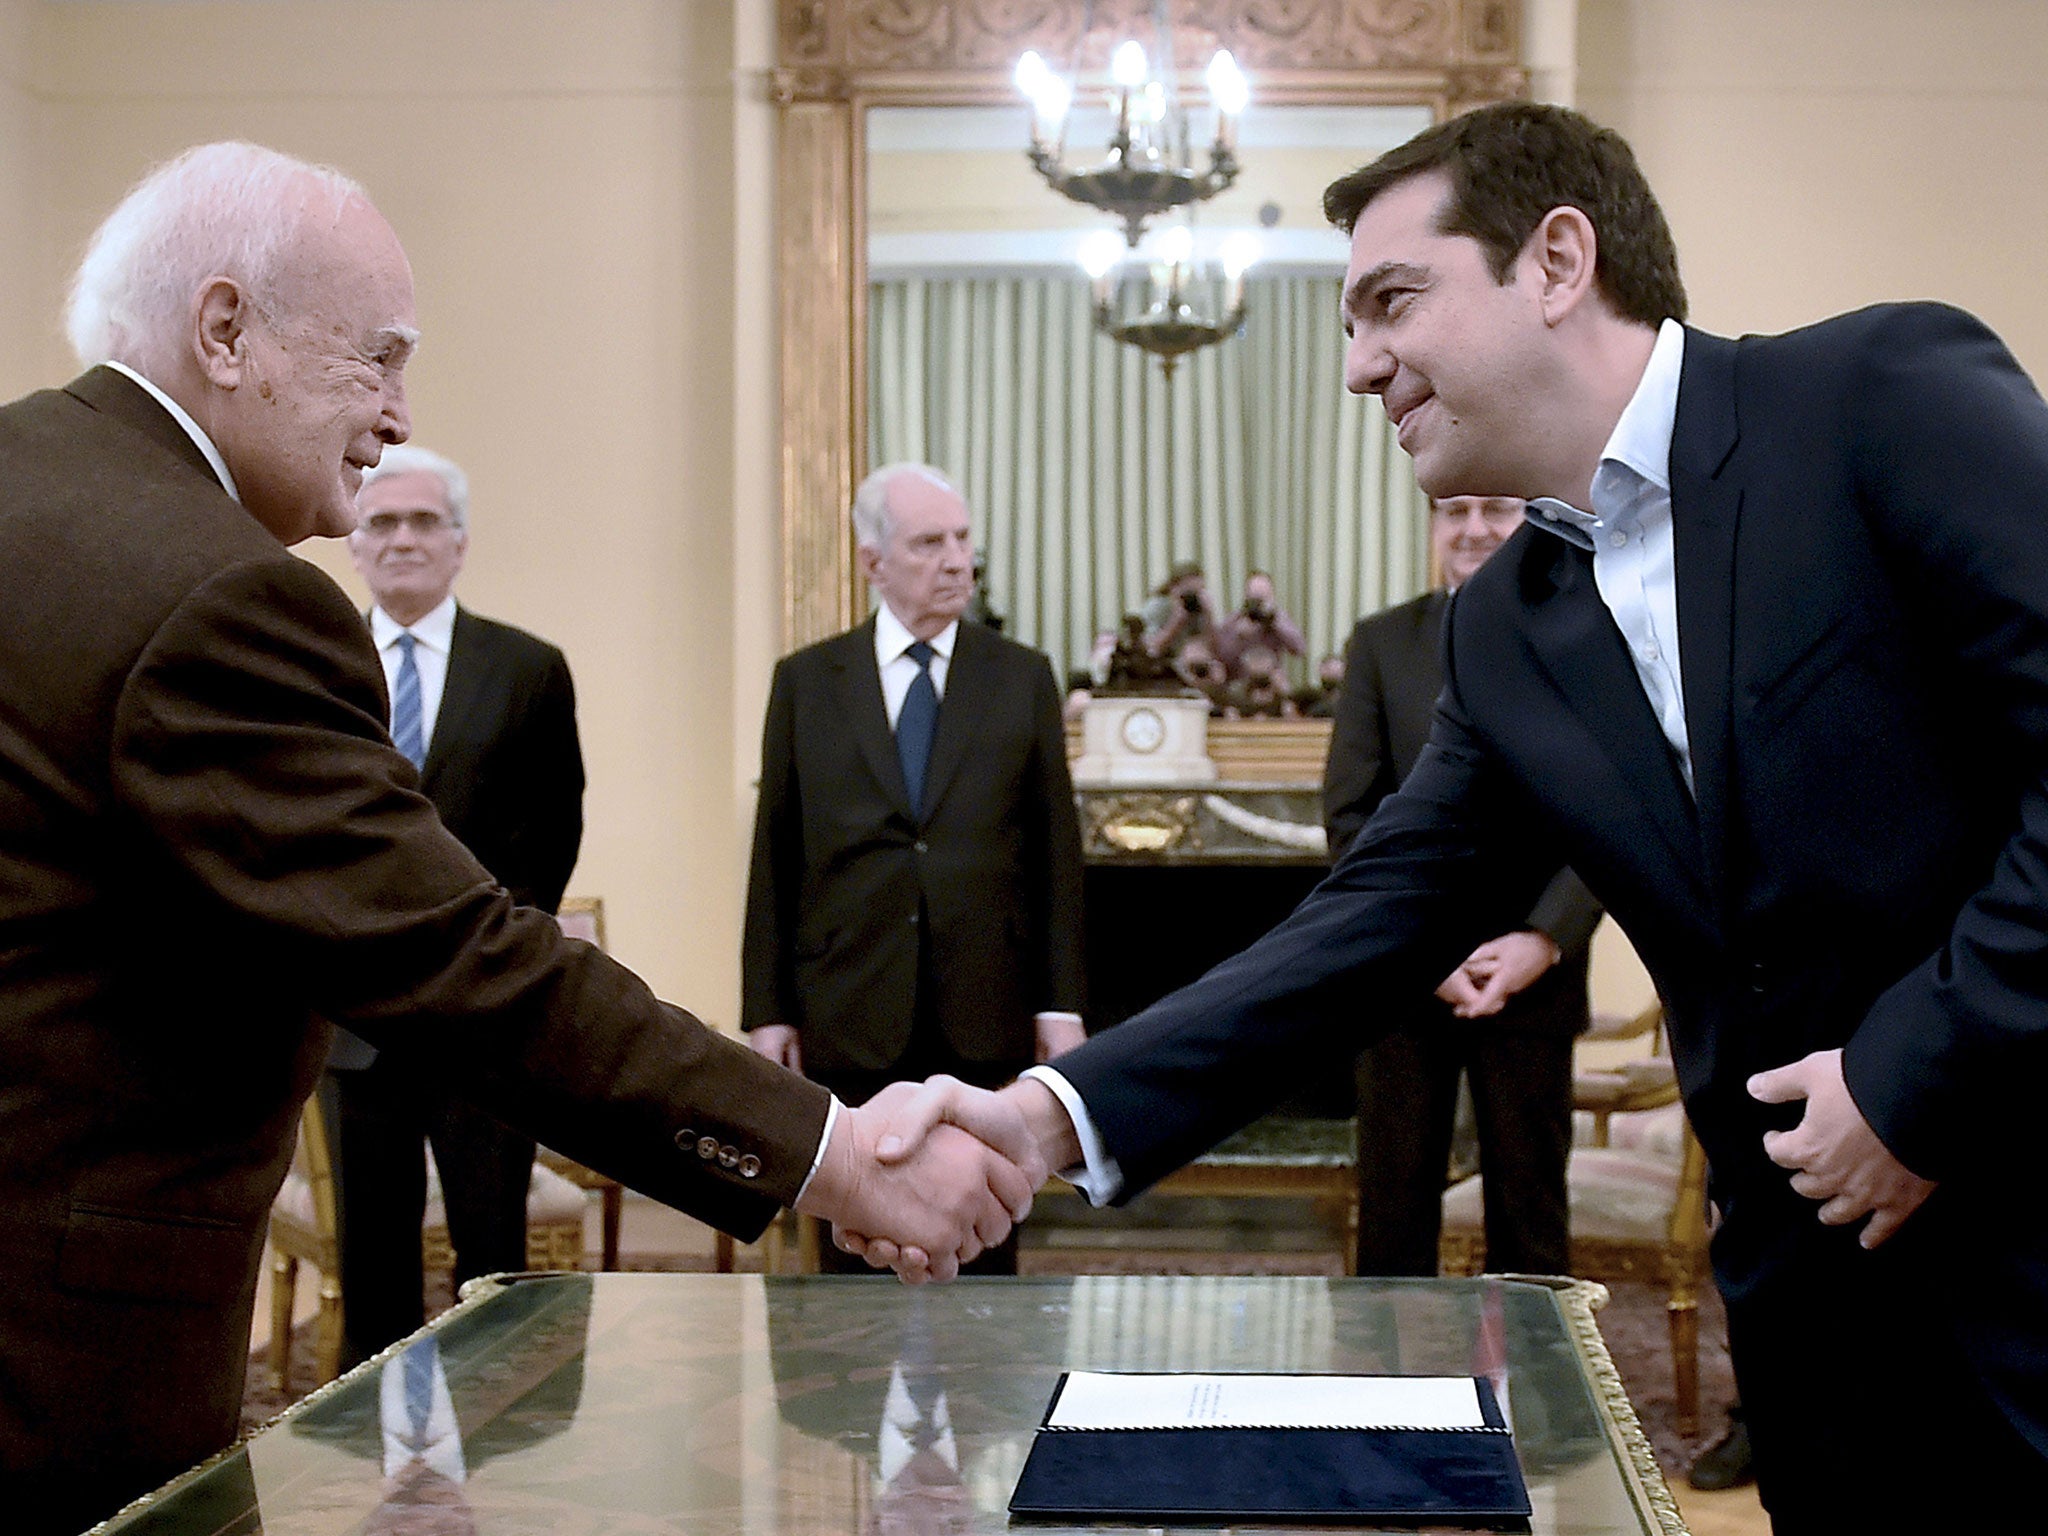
(1650,653)
(1617,538)
(913,919)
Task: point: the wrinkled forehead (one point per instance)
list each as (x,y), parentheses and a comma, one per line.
(345,267)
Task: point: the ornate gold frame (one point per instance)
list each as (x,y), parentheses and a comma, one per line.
(835,58)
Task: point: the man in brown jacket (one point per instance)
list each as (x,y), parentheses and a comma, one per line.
(208,843)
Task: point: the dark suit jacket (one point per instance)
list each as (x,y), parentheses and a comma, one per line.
(844,873)
(1862,580)
(505,770)
(1393,672)
(206,839)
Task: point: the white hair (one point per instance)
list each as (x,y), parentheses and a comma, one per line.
(221,210)
(405,459)
(871,501)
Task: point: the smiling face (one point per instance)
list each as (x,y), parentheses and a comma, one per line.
(1464,530)
(1457,357)
(924,567)
(406,544)
(314,386)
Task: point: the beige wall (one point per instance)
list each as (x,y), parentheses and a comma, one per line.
(584,190)
(563,178)
(1819,155)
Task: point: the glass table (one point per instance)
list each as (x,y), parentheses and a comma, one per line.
(701,1404)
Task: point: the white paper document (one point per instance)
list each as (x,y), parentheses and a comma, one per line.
(1106,1400)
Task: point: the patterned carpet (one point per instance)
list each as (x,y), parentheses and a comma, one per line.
(1633,1325)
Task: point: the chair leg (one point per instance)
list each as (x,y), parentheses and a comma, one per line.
(1683,1314)
(328,1349)
(611,1200)
(721,1253)
(284,1280)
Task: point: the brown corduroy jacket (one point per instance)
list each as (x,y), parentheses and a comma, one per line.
(208,845)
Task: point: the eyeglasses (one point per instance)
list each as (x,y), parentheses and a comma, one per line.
(420,524)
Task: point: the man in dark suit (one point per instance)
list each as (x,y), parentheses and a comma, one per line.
(1505,1018)
(488,715)
(1769,670)
(208,844)
(915,900)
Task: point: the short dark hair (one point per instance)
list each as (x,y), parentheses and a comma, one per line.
(1511,163)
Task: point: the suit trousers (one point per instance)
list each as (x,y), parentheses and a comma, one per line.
(378,1119)
(1521,1081)
(1863,1412)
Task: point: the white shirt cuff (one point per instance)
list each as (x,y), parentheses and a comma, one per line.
(824,1141)
(1097,1177)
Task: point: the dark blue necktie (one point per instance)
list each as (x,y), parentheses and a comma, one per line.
(407,732)
(916,722)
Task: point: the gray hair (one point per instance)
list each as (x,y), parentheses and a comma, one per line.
(221,210)
(405,459)
(871,501)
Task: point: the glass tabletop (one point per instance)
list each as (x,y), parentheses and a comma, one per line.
(736,1403)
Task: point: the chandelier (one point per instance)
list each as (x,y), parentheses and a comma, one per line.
(1150,169)
(1169,327)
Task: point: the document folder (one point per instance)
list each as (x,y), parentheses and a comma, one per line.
(1291,1472)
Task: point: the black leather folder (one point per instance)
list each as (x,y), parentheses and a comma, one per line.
(1322,1476)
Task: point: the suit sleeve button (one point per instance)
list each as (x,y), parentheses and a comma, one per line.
(921,846)
(750,1166)
(707,1147)
(728,1157)
(686,1139)
(913,919)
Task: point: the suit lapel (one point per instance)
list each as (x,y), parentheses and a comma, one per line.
(462,693)
(1705,511)
(960,711)
(860,693)
(1578,646)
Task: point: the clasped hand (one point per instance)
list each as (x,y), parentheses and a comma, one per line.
(925,1176)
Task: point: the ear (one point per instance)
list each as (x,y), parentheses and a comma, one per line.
(220,318)
(1565,249)
(870,559)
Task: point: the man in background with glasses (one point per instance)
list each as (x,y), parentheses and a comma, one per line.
(487,714)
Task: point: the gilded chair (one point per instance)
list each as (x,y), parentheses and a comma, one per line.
(302,1230)
(1637,1182)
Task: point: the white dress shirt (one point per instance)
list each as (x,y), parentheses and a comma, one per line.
(1629,533)
(191,427)
(433,635)
(892,646)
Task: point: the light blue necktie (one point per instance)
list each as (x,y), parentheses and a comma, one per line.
(406,731)
(916,723)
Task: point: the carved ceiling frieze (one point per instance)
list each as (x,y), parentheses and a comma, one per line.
(857,37)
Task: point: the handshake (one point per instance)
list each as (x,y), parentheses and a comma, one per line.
(925,1176)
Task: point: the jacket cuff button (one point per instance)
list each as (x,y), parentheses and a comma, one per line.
(728,1157)
(707,1147)
(750,1166)
(686,1139)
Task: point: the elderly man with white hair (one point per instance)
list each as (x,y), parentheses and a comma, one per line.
(208,843)
(487,714)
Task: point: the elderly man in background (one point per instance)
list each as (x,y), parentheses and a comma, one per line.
(208,843)
(487,714)
(915,900)
(1506,1018)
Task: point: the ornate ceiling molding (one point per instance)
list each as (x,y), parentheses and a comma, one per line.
(829,47)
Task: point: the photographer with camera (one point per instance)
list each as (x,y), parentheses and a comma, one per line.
(1261,623)
(1179,610)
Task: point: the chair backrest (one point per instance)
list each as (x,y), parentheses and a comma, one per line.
(314,1164)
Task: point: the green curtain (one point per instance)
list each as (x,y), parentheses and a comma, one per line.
(1088,472)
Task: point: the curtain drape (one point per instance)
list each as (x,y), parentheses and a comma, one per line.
(1088,472)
